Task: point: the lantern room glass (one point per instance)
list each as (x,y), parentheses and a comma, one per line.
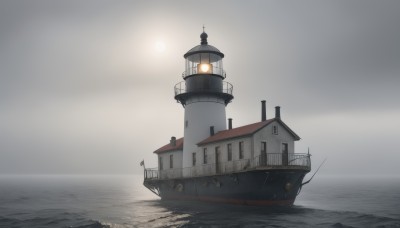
(204,63)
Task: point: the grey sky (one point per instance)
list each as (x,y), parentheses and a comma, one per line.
(82,89)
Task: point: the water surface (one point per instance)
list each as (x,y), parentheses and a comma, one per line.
(122,201)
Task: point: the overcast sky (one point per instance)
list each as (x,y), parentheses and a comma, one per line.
(84,88)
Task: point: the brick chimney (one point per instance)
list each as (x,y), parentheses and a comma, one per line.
(172,142)
(277,112)
(263,111)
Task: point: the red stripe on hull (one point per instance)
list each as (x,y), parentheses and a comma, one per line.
(233,201)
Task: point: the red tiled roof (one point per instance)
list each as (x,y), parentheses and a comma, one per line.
(243,131)
(235,132)
(169,147)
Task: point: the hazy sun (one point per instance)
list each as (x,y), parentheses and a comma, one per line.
(159,46)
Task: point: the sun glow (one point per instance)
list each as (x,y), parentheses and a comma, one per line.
(159,46)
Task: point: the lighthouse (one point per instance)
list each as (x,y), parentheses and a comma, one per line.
(204,94)
(254,164)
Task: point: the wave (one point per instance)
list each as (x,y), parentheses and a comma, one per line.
(95,224)
(242,216)
(187,214)
(334,218)
(37,222)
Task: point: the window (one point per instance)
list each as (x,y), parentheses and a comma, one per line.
(217,154)
(193,159)
(160,163)
(229,152)
(217,159)
(275,130)
(241,149)
(284,148)
(205,155)
(263,147)
(171,161)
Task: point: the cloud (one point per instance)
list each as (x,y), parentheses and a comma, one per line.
(80,83)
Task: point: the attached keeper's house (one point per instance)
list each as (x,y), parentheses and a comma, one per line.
(269,142)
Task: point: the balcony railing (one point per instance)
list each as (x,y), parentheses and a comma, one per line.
(180,88)
(151,173)
(268,161)
(193,70)
(279,159)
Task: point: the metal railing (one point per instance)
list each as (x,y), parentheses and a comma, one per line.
(180,88)
(268,161)
(151,173)
(193,70)
(278,159)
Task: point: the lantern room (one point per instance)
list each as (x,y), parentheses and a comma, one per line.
(204,76)
(204,59)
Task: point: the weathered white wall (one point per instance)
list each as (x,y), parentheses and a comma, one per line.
(224,150)
(225,165)
(201,112)
(177,159)
(252,145)
(274,142)
(252,149)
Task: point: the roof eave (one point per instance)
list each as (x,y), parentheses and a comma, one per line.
(164,151)
(296,137)
(205,51)
(236,137)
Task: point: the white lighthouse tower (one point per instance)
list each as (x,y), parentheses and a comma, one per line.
(204,95)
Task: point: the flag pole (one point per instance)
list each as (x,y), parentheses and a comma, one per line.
(144,168)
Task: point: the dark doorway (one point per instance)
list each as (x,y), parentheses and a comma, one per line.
(285,152)
(263,157)
(217,160)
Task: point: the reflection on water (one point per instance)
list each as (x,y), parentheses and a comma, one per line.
(122,201)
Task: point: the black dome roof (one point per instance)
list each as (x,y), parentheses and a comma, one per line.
(204,47)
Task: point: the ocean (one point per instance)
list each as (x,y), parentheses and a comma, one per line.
(122,201)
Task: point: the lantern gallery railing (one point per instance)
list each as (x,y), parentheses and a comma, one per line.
(180,88)
(268,161)
(197,70)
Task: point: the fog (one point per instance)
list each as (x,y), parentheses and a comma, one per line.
(84,90)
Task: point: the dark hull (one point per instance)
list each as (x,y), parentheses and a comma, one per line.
(257,187)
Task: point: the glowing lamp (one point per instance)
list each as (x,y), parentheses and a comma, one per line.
(204,68)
